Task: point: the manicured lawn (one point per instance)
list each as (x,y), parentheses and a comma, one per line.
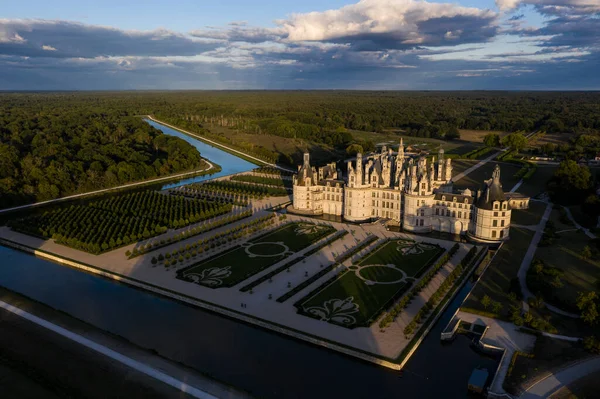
(577,274)
(536,185)
(237,264)
(408,256)
(475,179)
(531,216)
(359,296)
(500,278)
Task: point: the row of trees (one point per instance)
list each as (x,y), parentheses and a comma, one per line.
(184,235)
(96,229)
(270,181)
(250,190)
(214,242)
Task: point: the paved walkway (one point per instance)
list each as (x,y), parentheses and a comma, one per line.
(219,144)
(129,185)
(586,231)
(474,167)
(552,383)
(116,356)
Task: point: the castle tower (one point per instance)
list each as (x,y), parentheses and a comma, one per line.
(440,174)
(359,170)
(448,176)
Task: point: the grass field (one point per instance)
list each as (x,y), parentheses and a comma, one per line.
(531,216)
(500,278)
(536,185)
(237,264)
(476,136)
(577,274)
(475,179)
(359,296)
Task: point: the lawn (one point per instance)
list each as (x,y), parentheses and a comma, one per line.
(536,185)
(500,278)
(361,293)
(237,264)
(576,274)
(475,179)
(476,136)
(531,216)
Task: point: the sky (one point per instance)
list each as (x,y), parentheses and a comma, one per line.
(308,44)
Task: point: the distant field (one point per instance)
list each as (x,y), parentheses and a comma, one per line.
(476,136)
(554,138)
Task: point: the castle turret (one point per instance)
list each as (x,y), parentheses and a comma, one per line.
(359,170)
(448,170)
(440,174)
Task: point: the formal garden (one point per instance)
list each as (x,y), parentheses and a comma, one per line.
(101,225)
(230,267)
(359,294)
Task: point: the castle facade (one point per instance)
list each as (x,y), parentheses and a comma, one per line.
(407,191)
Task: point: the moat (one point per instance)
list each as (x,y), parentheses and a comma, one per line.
(230,350)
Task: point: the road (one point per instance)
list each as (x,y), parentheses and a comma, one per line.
(217,144)
(106,190)
(552,383)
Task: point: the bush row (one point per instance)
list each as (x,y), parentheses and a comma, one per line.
(217,240)
(292,262)
(269,181)
(439,294)
(404,302)
(476,153)
(188,233)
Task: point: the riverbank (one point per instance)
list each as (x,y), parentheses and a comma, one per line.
(223,147)
(36,362)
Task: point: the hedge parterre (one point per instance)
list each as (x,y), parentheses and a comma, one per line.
(230,267)
(364,290)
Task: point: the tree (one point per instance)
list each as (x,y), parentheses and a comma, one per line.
(491,140)
(514,141)
(486,301)
(354,149)
(497,307)
(154,260)
(587,252)
(587,304)
(571,183)
(452,133)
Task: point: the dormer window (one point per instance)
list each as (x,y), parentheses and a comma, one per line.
(443,198)
(454,199)
(466,201)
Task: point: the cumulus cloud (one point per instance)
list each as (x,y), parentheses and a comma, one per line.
(374,25)
(71,39)
(554,6)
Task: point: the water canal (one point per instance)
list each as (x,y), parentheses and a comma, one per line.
(261,362)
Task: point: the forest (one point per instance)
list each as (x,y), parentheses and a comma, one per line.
(53,144)
(50,149)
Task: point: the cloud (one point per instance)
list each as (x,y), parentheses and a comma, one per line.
(33,38)
(48,48)
(554,7)
(374,25)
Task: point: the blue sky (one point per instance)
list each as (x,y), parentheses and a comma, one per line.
(325,44)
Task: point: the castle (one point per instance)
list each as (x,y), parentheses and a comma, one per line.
(407,191)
